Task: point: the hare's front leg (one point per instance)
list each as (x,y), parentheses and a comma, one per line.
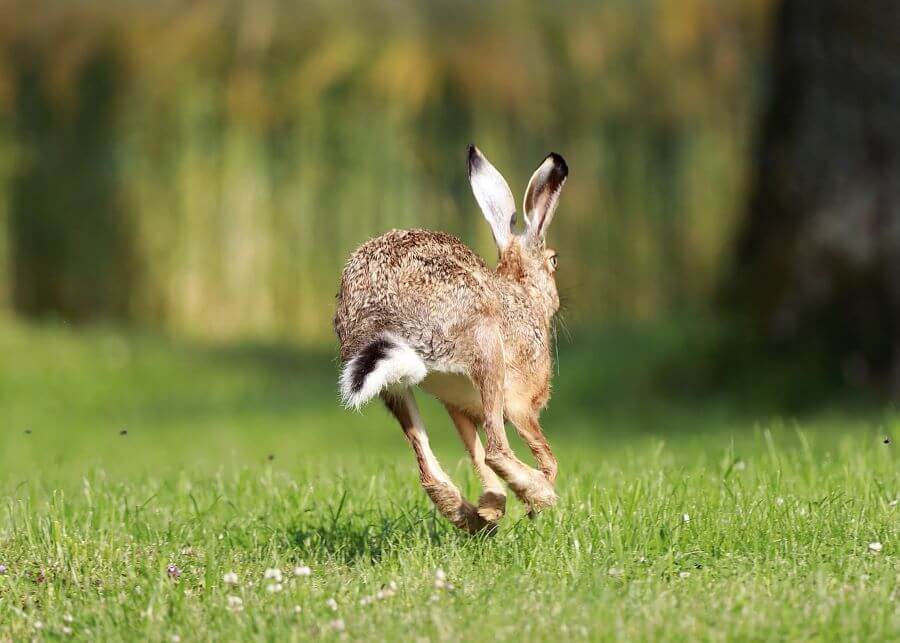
(529,429)
(492,503)
(443,493)
(488,374)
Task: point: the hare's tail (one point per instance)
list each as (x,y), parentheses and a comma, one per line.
(384,362)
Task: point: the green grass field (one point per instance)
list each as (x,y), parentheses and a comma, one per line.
(684,514)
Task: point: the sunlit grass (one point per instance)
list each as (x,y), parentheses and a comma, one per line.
(688,523)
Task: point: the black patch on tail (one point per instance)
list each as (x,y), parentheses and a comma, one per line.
(367,360)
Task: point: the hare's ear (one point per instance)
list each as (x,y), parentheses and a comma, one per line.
(542,194)
(493,196)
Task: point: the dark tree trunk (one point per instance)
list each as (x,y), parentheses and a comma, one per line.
(71,243)
(817,262)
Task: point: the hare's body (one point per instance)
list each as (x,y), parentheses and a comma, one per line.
(417,307)
(432,292)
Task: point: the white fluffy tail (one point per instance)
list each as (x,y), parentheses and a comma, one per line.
(383,362)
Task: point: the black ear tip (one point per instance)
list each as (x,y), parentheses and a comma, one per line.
(560,163)
(474,157)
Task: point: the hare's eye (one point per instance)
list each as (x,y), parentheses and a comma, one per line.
(554,261)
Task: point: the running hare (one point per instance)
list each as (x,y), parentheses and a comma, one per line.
(419,307)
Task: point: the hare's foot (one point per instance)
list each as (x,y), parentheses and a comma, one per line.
(459,511)
(492,506)
(529,485)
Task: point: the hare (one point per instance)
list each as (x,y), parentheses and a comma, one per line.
(420,308)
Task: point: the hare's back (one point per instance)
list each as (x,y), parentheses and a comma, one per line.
(415,262)
(411,279)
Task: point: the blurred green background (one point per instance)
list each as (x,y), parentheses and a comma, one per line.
(206,167)
(181,182)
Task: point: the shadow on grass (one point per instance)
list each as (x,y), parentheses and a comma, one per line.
(689,374)
(687,364)
(693,367)
(672,376)
(349,537)
(279,358)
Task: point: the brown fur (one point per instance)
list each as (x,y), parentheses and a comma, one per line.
(433,291)
(491,326)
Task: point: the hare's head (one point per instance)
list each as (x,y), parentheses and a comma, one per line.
(524,257)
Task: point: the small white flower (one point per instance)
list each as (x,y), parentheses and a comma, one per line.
(614,571)
(235,603)
(779,501)
(740,465)
(685,518)
(67,630)
(274,588)
(440,578)
(337,625)
(230,578)
(875,547)
(68,618)
(892,503)
(274,574)
(297,609)
(221,536)
(3,570)
(175,638)
(684,574)
(303,570)
(393,586)
(331,604)
(365,600)
(38,625)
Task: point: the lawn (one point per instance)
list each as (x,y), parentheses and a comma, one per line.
(138,473)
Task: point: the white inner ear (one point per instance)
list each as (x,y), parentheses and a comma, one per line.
(493,195)
(542,195)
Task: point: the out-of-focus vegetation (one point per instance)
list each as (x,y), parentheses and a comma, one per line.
(207,166)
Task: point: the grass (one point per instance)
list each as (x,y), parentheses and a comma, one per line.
(686,512)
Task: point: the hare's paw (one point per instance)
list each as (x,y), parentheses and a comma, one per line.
(492,506)
(537,494)
(455,508)
(541,498)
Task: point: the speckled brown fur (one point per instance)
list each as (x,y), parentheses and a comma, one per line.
(462,317)
(432,290)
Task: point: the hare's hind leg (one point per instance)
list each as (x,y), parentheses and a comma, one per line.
(492,503)
(488,374)
(443,493)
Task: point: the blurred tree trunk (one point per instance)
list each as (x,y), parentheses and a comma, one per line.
(71,253)
(817,262)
